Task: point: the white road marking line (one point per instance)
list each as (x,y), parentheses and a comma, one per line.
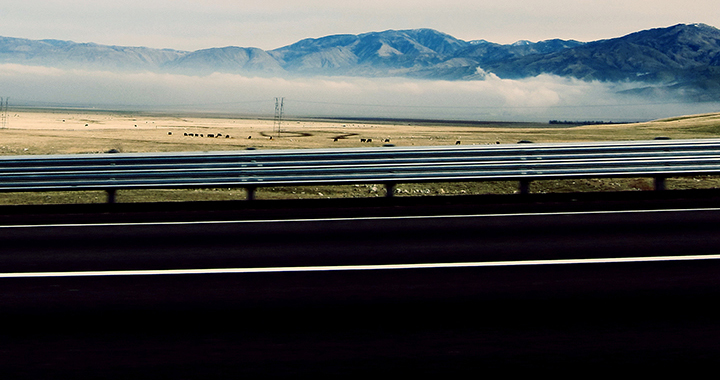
(338,268)
(368,218)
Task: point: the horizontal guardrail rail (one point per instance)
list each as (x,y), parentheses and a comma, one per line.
(250,169)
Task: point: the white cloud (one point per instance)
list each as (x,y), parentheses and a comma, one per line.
(535,99)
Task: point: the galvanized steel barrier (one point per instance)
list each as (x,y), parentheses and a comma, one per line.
(250,169)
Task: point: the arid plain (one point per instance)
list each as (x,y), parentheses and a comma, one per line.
(32,131)
(81,131)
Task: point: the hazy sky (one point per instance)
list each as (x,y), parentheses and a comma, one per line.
(269,24)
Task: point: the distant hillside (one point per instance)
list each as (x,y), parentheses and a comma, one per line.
(422,53)
(680,60)
(389,53)
(682,57)
(231,59)
(66,54)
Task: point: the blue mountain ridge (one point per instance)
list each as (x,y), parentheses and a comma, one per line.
(684,58)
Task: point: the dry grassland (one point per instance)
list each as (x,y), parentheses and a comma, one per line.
(70,131)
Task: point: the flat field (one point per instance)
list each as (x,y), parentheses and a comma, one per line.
(70,131)
(33,131)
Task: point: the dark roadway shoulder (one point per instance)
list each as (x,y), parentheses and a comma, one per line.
(651,316)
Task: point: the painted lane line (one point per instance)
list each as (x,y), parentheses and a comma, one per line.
(346,219)
(165,272)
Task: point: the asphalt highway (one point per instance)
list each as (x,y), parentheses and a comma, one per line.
(432,287)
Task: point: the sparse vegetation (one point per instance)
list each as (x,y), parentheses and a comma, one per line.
(63,132)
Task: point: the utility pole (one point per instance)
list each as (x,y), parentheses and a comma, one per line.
(279,106)
(4,112)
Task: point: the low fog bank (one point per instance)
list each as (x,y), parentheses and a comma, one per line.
(541,99)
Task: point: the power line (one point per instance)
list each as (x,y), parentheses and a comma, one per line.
(490,107)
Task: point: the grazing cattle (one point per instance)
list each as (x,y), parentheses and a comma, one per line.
(169,133)
(249,137)
(387,140)
(185,134)
(196,135)
(218,135)
(335,140)
(227,136)
(363,140)
(369,140)
(457,142)
(210,135)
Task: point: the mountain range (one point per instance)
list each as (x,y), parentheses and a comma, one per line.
(683,59)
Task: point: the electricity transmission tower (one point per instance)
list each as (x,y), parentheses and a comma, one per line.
(4,112)
(277,125)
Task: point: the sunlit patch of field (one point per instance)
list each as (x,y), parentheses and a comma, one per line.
(88,132)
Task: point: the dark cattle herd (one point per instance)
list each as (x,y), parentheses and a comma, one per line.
(219,135)
(213,135)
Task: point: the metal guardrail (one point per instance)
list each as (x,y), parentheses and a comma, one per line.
(250,169)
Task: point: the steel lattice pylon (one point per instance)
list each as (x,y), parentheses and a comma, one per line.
(279,106)
(4,112)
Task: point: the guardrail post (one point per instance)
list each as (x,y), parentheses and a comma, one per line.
(389,190)
(111,195)
(251,192)
(524,186)
(659,183)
